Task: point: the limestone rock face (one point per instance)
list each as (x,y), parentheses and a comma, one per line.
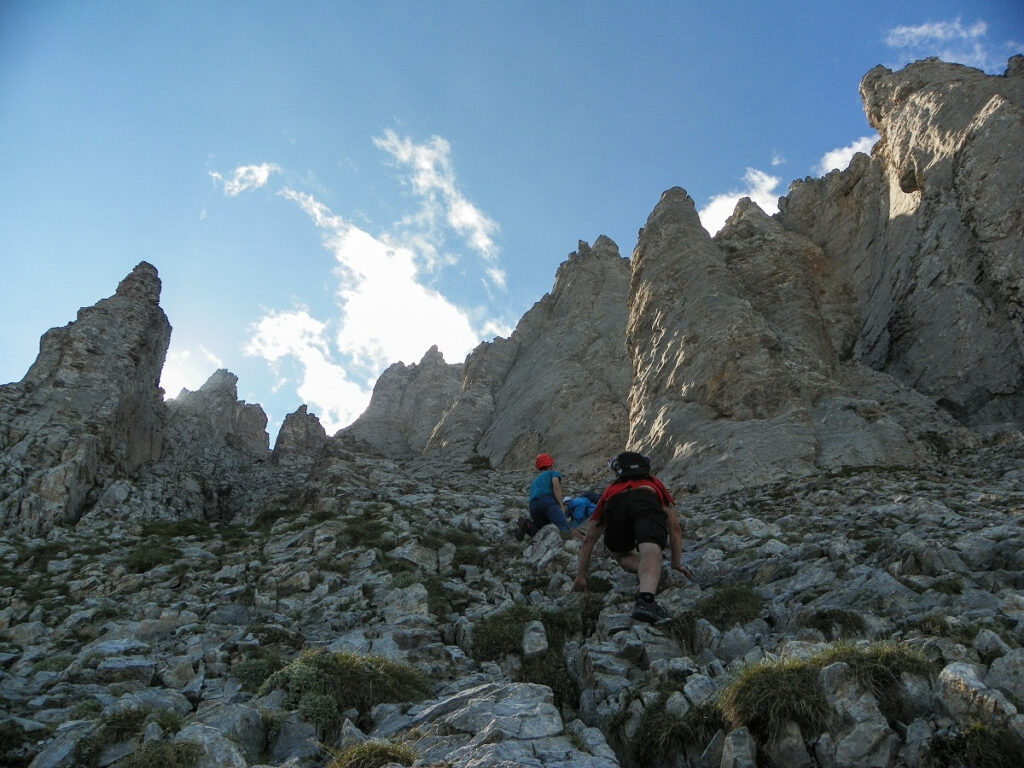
(88,409)
(740,345)
(300,439)
(407,403)
(928,234)
(558,383)
(214,443)
(215,426)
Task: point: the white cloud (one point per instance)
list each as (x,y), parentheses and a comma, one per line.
(931,32)
(760,187)
(324,386)
(778,159)
(188,369)
(245,177)
(387,314)
(839,158)
(386,310)
(433,181)
(949,41)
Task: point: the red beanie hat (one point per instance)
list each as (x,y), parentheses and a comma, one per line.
(543,461)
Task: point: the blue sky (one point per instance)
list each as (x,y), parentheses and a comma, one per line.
(330,187)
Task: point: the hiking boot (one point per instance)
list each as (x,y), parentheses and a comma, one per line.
(650,612)
(521,528)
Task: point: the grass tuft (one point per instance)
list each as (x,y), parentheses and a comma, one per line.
(763,695)
(372,754)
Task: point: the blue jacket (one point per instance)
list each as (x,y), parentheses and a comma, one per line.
(578,509)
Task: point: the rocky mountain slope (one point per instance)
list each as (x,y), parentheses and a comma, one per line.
(839,384)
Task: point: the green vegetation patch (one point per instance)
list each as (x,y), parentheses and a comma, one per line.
(321,685)
(977,744)
(149,555)
(729,605)
(367,532)
(372,754)
(55,663)
(836,623)
(120,725)
(163,754)
(501,633)
(171,529)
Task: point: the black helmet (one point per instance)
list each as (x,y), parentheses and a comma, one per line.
(631,464)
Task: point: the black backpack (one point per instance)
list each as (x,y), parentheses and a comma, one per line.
(630,464)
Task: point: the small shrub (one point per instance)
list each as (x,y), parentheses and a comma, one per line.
(163,754)
(320,709)
(729,605)
(253,671)
(977,744)
(372,754)
(662,734)
(765,694)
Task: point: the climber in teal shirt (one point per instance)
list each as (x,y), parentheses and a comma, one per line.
(546,505)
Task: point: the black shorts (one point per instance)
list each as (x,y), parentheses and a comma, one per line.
(634,517)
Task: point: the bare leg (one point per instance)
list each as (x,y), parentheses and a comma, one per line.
(630,561)
(649,567)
